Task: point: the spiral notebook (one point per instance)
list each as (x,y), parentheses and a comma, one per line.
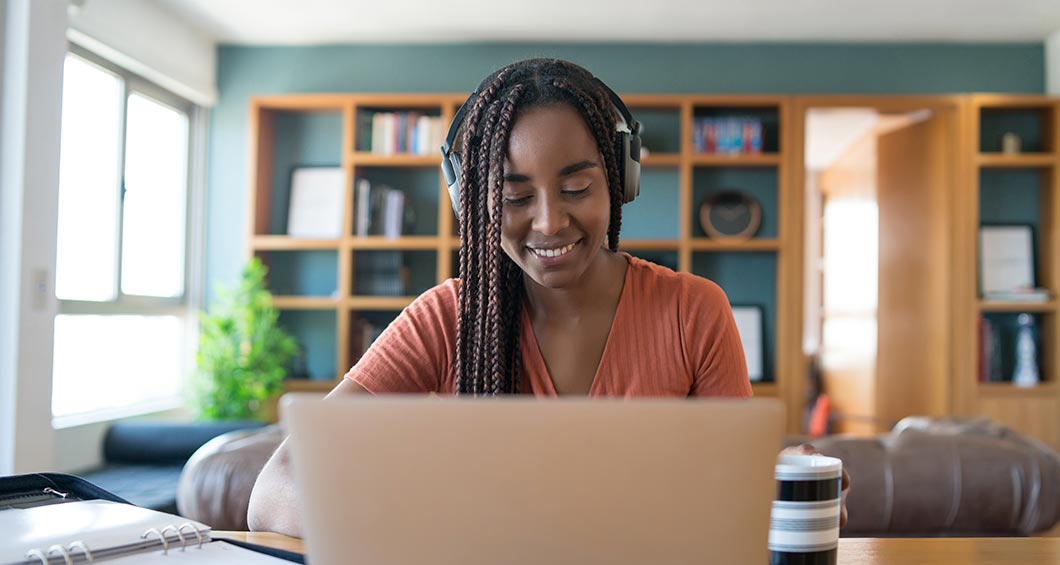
(100,531)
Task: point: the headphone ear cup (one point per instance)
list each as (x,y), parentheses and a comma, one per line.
(454,186)
(629,164)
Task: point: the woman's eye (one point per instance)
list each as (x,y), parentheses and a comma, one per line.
(577,192)
(516,201)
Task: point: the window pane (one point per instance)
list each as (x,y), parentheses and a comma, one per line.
(156,180)
(89,181)
(109,362)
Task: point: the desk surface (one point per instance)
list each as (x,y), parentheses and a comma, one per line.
(859,551)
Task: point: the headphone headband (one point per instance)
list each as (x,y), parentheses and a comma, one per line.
(627,148)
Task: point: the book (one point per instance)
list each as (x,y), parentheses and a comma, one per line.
(1029,295)
(101,531)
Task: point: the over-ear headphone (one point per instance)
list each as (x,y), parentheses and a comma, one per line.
(627,149)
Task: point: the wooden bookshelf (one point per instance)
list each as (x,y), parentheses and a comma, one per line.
(1029,186)
(669,118)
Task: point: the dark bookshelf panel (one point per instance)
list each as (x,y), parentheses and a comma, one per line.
(748,279)
(393,273)
(998,338)
(301,139)
(653,215)
(365,328)
(314,330)
(759,183)
(420,185)
(1031,125)
(768,117)
(302,273)
(660,129)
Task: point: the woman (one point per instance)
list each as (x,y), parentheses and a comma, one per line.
(545,303)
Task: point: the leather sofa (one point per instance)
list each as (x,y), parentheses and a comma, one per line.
(924,478)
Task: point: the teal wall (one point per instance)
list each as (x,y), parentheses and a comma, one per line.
(708,68)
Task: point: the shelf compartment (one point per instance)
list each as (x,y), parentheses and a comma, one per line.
(1032,123)
(1016,160)
(654,213)
(315,332)
(760,184)
(309,273)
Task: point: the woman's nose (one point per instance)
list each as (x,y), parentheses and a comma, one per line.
(550,216)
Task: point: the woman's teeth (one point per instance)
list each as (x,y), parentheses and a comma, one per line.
(554,252)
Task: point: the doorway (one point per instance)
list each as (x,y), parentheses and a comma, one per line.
(877,178)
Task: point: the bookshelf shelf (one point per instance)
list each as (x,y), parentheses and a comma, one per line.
(304,303)
(738,160)
(1006,390)
(703,244)
(765,389)
(286,243)
(366,159)
(1026,160)
(307,385)
(378,302)
(400,243)
(1014,307)
(661,160)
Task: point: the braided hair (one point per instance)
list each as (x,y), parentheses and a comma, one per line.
(491,286)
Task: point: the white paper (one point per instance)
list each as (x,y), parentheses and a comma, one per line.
(316,203)
(749,324)
(214,552)
(1005,255)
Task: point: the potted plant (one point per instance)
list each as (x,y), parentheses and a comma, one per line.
(243,353)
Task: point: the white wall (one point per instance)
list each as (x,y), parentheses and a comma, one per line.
(1052,63)
(148,40)
(35,46)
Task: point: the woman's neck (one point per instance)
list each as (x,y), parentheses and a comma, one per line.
(599,287)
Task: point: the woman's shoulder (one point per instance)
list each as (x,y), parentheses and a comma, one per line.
(664,282)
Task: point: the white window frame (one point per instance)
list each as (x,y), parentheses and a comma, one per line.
(190,303)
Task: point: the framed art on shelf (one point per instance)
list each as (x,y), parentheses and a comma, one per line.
(1006,258)
(317,199)
(749,324)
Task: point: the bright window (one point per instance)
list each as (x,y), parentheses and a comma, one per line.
(122,333)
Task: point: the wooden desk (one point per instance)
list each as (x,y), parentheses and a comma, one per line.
(857,551)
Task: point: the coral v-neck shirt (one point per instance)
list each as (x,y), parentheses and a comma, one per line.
(673,334)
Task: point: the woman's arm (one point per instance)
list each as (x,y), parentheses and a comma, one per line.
(273,502)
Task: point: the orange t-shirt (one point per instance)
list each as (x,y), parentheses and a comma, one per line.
(673,335)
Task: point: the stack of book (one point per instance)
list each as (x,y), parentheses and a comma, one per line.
(380,210)
(380,273)
(389,133)
(732,135)
(990,351)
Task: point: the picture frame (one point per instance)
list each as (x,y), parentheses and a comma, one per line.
(750,324)
(1006,258)
(317,201)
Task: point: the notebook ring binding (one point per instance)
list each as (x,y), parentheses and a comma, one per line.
(180,535)
(165,542)
(84,549)
(194,528)
(36,553)
(61,551)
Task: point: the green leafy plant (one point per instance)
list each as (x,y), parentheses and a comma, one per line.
(243,354)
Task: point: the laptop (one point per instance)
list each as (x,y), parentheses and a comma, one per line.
(415,480)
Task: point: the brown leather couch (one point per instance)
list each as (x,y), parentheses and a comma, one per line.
(924,478)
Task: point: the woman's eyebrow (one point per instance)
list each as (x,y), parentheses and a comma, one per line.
(568,170)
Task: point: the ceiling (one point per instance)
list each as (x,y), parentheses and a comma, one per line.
(352,21)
